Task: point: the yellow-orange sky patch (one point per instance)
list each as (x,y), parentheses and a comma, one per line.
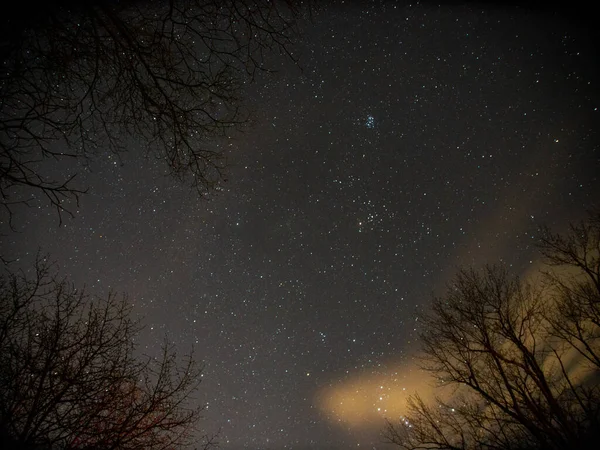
(365,400)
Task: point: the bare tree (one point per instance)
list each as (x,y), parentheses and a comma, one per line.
(69,376)
(574,275)
(523,358)
(79,76)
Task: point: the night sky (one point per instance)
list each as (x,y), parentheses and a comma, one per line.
(414,140)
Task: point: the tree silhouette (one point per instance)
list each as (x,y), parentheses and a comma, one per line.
(81,76)
(69,376)
(577,316)
(522,358)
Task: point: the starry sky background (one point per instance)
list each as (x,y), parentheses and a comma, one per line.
(415,140)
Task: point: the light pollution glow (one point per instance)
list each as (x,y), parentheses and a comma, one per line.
(365,400)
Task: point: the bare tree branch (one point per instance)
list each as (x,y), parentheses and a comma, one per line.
(69,376)
(79,76)
(526,358)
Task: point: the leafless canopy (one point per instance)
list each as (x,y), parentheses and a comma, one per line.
(77,77)
(69,377)
(523,358)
